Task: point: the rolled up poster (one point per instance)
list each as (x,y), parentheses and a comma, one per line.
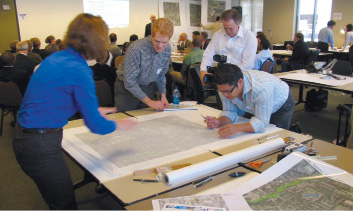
(197,170)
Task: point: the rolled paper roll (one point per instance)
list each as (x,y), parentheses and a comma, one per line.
(198,170)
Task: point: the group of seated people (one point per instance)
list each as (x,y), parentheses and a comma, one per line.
(24,57)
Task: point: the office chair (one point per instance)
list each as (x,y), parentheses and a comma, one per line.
(288,42)
(350,54)
(312,44)
(187,89)
(104,94)
(117,61)
(323,46)
(267,66)
(312,56)
(202,94)
(10,101)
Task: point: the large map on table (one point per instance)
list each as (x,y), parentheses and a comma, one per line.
(302,187)
(152,139)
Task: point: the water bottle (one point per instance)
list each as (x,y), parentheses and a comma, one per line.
(176,97)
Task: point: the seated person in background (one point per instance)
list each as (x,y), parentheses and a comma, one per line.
(260,36)
(36,47)
(9,73)
(34,56)
(264,54)
(349,36)
(103,70)
(50,49)
(256,92)
(50,39)
(144,67)
(300,52)
(112,47)
(12,46)
(205,41)
(133,37)
(60,45)
(193,57)
(195,33)
(22,61)
(183,42)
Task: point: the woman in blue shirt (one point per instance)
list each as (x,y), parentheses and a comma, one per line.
(61,86)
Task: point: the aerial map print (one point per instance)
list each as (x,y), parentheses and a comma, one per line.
(215,8)
(152,139)
(302,187)
(171,11)
(195,15)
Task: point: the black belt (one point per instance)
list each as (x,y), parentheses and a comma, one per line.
(40,131)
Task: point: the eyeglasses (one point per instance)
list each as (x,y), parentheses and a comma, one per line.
(227,91)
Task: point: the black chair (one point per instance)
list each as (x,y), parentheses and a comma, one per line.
(350,54)
(312,56)
(274,66)
(267,66)
(10,101)
(312,44)
(104,94)
(188,87)
(202,94)
(344,110)
(323,46)
(288,42)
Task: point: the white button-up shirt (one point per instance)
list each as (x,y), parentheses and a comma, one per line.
(240,49)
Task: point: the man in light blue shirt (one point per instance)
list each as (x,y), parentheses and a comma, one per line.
(256,92)
(326,34)
(263,55)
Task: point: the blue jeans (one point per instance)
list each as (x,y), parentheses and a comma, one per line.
(40,157)
(288,66)
(283,116)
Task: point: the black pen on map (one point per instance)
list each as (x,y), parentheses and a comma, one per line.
(145,180)
(203,182)
(130,115)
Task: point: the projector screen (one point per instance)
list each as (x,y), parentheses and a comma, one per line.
(115,13)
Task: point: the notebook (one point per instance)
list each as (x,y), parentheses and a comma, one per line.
(342,68)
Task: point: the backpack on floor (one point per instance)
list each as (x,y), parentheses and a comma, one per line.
(316,100)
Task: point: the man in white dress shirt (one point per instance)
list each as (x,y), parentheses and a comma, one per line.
(234,41)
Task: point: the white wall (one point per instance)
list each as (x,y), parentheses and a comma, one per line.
(52,17)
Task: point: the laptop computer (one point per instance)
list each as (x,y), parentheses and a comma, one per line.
(342,68)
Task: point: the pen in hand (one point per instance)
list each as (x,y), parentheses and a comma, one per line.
(204,118)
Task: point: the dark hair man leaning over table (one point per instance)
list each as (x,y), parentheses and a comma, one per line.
(62,85)
(145,64)
(259,93)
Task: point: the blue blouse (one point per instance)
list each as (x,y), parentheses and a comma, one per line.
(62,85)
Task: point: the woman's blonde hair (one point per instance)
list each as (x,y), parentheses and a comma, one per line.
(88,34)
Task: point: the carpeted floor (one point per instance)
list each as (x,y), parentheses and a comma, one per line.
(18,192)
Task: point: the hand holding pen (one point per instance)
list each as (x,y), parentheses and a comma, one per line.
(212,122)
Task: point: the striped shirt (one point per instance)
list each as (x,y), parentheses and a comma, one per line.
(263,95)
(142,65)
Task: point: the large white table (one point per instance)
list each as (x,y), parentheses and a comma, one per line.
(319,83)
(128,192)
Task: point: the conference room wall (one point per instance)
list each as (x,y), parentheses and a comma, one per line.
(345,7)
(279,16)
(48,17)
(8,25)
